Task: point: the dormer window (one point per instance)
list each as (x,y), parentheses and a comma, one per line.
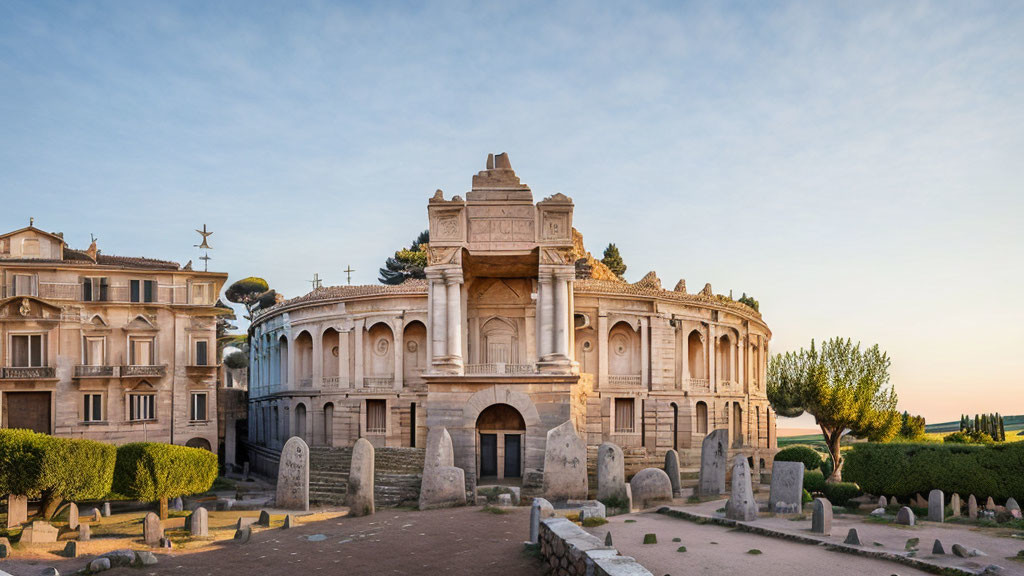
(95,289)
(143,290)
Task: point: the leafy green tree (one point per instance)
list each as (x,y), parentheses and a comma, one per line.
(912,427)
(236,360)
(613,260)
(154,472)
(750,301)
(21,462)
(407,263)
(248,292)
(843,387)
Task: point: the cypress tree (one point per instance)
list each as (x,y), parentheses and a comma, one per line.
(613,260)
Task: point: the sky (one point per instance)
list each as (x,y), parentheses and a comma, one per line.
(856,167)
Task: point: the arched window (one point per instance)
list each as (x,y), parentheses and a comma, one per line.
(702,418)
(379,355)
(300,420)
(695,355)
(329,424)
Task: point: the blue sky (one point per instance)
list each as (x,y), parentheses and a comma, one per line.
(854,166)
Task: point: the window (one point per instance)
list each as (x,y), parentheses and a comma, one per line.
(27,350)
(143,290)
(93,351)
(93,408)
(202,293)
(25,285)
(702,418)
(201,356)
(140,351)
(624,415)
(94,289)
(30,247)
(141,407)
(376,417)
(198,411)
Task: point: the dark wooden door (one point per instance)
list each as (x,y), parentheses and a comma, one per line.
(29,410)
(488,454)
(513,445)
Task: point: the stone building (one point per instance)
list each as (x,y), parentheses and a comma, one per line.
(106,347)
(515,330)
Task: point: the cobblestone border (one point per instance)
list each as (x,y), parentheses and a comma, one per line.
(568,550)
(848,549)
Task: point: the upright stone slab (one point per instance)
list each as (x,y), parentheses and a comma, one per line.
(713,453)
(936,506)
(1013,508)
(200,523)
(264,519)
(672,469)
(95,515)
(611,473)
(650,486)
(955,505)
(534,522)
(106,509)
(565,464)
(293,475)
(84,533)
(787,486)
(990,504)
(882,502)
(39,532)
(742,505)
(440,451)
(972,507)
(906,516)
(821,517)
(73,516)
(152,531)
(177,505)
(360,480)
(443,484)
(17,510)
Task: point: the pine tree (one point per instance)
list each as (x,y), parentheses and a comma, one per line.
(1002,430)
(977,423)
(613,260)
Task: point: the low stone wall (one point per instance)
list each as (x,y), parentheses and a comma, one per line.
(571,551)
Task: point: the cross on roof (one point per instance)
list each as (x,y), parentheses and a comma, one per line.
(205,235)
(206,261)
(315,281)
(348,273)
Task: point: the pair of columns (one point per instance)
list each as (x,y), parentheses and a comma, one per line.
(554,313)
(446,319)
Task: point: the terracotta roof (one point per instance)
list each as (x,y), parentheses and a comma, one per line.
(411,286)
(650,286)
(53,235)
(79,256)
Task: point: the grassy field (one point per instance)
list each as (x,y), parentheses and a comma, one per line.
(1014,426)
(1009,423)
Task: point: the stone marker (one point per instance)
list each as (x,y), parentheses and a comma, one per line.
(152,532)
(821,516)
(145,557)
(852,537)
(565,464)
(919,501)
(905,516)
(713,453)
(95,515)
(505,500)
(359,498)
(200,523)
(972,507)
(1013,508)
(293,476)
(936,506)
(73,516)
(84,533)
(534,522)
(894,502)
(672,469)
(244,521)
(242,535)
(650,486)
(937,548)
(106,509)
(878,512)
(990,504)
(5,547)
(264,519)
(955,504)
(99,564)
(608,538)
(546,509)
(911,544)
(17,510)
(71,549)
(960,551)
(166,543)
(882,502)
(39,532)
(611,472)
(741,505)
(787,485)
(443,484)
(177,505)
(289,522)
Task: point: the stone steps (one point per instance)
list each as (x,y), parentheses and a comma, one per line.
(397,475)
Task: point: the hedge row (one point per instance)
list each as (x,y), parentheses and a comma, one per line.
(150,471)
(903,470)
(65,468)
(800,453)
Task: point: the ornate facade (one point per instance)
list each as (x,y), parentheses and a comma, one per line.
(515,330)
(106,347)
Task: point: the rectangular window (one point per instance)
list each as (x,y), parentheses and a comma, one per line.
(376,417)
(143,290)
(93,408)
(30,247)
(202,293)
(141,407)
(201,352)
(140,351)
(94,289)
(27,350)
(198,408)
(25,285)
(94,355)
(624,415)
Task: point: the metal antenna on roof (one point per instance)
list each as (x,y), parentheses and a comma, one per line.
(206,261)
(348,274)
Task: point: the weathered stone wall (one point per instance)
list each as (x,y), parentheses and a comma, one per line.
(569,550)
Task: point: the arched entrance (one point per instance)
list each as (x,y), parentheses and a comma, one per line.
(500,431)
(199,443)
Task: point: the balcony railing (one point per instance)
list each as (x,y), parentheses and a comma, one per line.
(499,369)
(28,372)
(376,431)
(84,371)
(623,380)
(305,382)
(331,382)
(143,371)
(379,383)
(699,384)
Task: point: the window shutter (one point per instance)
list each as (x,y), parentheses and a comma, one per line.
(86,289)
(103,289)
(134,290)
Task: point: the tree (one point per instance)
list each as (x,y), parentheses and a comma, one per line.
(248,292)
(843,387)
(407,263)
(154,472)
(613,260)
(750,302)
(912,427)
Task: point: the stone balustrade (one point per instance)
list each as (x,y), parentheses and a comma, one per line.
(500,369)
(698,384)
(143,371)
(569,550)
(379,382)
(624,380)
(27,372)
(83,371)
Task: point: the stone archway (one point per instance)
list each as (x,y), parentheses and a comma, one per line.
(500,431)
(534,435)
(199,443)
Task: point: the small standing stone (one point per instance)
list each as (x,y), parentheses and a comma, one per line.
(611,472)
(955,505)
(99,565)
(1013,508)
(905,516)
(242,535)
(882,502)
(960,551)
(17,510)
(608,538)
(741,505)
(199,525)
(852,537)
(504,500)
(264,519)
(972,507)
(359,498)
(84,533)
(106,509)
(565,464)
(787,486)
(177,505)
(821,517)
(713,455)
(152,532)
(166,543)
(96,515)
(72,516)
(293,475)
(990,504)
(894,502)
(288,522)
(534,521)
(672,469)
(936,506)
(937,548)
(71,549)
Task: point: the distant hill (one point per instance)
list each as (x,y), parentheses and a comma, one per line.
(1009,423)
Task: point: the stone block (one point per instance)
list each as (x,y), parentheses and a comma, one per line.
(852,537)
(787,485)
(713,454)
(106,509)
(650,486)
(611,472)
(84,533)
(17,510)
(565,464)
(672,469)
(741,505)
(972,507)
(821,516)
(936,506)
(293,476)
(359,498)
(152,531)
(264,519)
(73,516)
(443,487)
(199,525)
(39,532)
(99,564)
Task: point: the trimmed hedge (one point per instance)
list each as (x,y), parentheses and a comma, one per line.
(21,462)
(814,481)
(840,493)
(152,471)
(800,453)
(903,470)
(62,468)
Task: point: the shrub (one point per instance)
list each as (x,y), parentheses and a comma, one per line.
(957,438)
(155,472)
(995,470)
(594,521)
(806,497)
(840,493)
(21,462)
(800,453)
(814,481)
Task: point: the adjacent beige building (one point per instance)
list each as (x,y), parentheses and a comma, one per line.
(106,347)
(515,330)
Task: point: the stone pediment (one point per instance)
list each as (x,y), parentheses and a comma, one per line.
(28,308)
(141,324)
(499,291)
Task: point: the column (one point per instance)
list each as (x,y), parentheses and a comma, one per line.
(645,352)
(741,369)
(561,316)
(439,317)
(397,327)
(544,316)
(292,372)
(318,357)
(357,332)
(453,280)
(602,350)
(344,358)
(572,317)
(712,349)
(685,348)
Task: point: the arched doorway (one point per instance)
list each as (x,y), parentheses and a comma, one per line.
(737,424)
(199,443)
(500,431)
(300,421)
